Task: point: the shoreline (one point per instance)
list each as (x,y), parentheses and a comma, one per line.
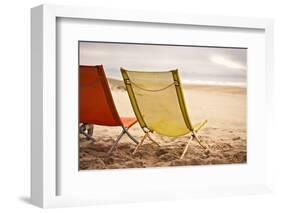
(239,85)
(215,83)
(119,83)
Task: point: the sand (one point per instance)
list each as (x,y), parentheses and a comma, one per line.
(225,133)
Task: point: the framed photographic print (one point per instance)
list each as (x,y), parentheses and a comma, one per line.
(150,106)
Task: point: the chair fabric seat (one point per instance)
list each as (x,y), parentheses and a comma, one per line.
(158,102)
(128,121)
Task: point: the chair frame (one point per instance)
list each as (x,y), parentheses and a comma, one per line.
(87,130)
(116,141)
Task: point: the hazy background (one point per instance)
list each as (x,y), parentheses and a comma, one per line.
(203,65)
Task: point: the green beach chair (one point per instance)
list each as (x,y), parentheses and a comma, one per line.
(158,103)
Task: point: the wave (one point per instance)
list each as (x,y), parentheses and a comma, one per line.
(216,83)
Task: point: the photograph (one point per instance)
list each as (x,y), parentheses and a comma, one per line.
(145,105)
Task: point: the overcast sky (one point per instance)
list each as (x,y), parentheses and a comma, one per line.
(194,63)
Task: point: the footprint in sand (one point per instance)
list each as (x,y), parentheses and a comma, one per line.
(240,157)
(84,165)
(236,138)
(97,164)
(161,152)
(168,157)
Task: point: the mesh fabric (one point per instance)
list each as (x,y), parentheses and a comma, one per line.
(155,101)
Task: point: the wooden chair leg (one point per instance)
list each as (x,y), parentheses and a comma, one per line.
(152,140)
(207,149)
(186,147)
(199,141)
(140,143)
(115,143)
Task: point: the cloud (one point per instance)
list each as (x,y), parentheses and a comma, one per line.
(194,63)
(221,60)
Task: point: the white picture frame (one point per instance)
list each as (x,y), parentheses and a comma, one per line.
(45,168)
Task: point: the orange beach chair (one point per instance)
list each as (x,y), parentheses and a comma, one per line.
(96,105)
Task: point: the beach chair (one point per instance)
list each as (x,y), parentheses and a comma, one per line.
(158,102)
(96,105)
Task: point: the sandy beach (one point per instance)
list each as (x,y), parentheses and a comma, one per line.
(225,109)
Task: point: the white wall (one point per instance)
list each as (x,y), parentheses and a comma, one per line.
(15,98)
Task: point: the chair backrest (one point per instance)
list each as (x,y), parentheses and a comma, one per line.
(158,101)
(96,105)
